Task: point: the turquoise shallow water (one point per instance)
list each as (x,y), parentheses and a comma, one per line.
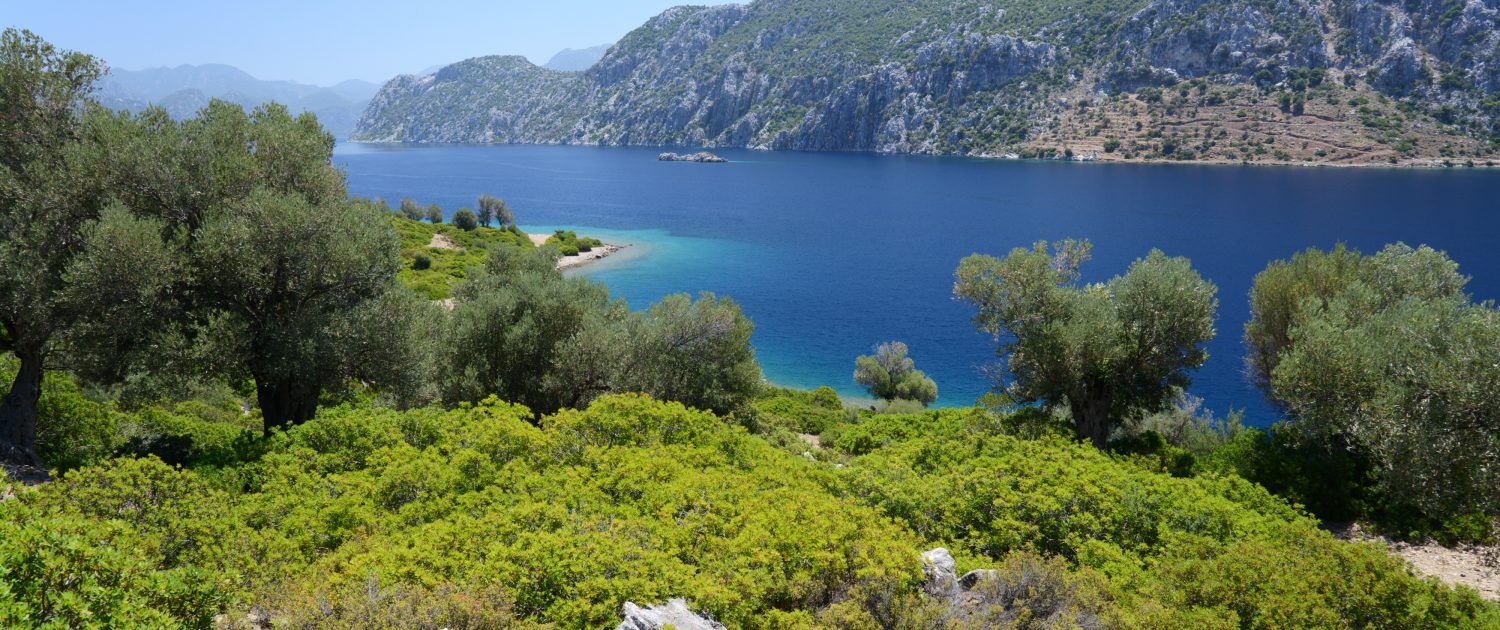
(833,253)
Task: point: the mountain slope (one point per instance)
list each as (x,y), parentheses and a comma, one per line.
(1140,79)
(185,89)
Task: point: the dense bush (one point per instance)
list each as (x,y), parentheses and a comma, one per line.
(1210,551)
(632,499)
(64,570)
(77,431)
(523,331)
(475,517)
(797,411)
(570,243)
(465,220)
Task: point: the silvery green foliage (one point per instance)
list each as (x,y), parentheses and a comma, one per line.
(1401,364)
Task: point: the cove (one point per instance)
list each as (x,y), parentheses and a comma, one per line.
(831,253)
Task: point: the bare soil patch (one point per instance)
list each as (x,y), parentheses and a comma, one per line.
(441,241)
(1475,566)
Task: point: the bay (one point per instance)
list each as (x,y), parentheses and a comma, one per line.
(831,253)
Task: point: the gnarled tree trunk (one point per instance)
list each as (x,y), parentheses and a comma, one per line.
(1091,418)
(18,411)
(285,402)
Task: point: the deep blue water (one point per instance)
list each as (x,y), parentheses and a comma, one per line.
(833,253)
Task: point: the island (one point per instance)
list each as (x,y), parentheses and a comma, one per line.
(701,157)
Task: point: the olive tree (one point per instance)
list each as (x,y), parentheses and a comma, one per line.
(493,209)
(283,278)
(1106,352)
(524,332)
(411,210)
(465,220)
(1311,278)
(434,214)
(696,352)
(70,257)
(1388,358)
(890,374)
(507,325)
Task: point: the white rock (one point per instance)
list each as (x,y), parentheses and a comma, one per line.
(941,573)
(674,613)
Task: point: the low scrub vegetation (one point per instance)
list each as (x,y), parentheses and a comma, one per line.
(480,516)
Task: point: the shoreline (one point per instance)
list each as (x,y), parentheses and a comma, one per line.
(582,258)
(1413,163)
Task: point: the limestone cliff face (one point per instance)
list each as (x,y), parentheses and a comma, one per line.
(930,76)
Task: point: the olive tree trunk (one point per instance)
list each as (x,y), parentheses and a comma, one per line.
(1091,418)
(18,412)
(285,402)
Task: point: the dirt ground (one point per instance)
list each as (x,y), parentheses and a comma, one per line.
(1471,565)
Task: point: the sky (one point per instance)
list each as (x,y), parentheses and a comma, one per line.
(323,42)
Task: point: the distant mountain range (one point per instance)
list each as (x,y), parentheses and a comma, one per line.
(185,89)
(570,60)
(1339,81)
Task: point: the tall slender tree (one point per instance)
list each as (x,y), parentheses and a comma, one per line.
(494,209)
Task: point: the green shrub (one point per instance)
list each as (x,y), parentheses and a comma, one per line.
(1208,551)
(60,570)
(799,411)
(475,517)
(185,439)
(465,220)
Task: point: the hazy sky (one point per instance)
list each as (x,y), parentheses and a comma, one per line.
(326,41)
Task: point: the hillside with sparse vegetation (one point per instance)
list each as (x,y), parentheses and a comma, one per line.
(1345,83)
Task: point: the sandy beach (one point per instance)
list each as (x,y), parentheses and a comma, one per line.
(583,258)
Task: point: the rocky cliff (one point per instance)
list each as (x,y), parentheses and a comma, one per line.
(1387,79)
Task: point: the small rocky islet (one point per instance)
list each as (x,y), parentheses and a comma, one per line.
(701,157)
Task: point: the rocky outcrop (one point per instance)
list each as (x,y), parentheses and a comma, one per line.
(502,99)
(889,76)
(701,157)
(674,614)
(1399,69)
(940,577)
(1193,38)
(1027,590)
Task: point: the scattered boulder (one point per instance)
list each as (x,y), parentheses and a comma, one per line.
(701,157)
(941,573)
(973,578)
(1025,588)
(675,613)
